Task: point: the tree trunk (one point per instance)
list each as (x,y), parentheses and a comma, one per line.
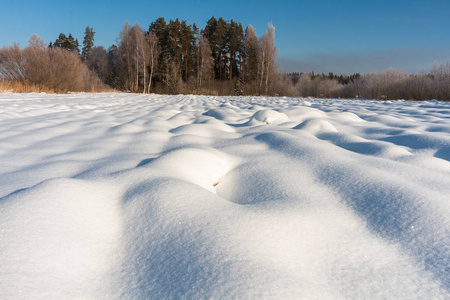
(152,64)
(267,79)
(262,69)
(150,80)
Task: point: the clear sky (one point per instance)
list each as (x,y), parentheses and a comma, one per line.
(339,36)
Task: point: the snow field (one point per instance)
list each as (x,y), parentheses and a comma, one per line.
(133,196)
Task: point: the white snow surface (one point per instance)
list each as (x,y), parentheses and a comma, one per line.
(124,196)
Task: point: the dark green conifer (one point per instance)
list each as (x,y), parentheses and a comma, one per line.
(88,43)
(67,42)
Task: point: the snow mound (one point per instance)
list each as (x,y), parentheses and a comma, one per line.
(207,129)
(349,117)
(363,146)
(222,113)
(68,230)
(316,126)
(301,113)
(127,128)
(305,103)
(203,167)
(268,116)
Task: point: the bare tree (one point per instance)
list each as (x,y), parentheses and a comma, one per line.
(98,62)
(267,57)
(440,73)
(125,64)
(153,54)
(49,69)
(204,62)
(12,64)
(38,62)
(140,57)
(133,58)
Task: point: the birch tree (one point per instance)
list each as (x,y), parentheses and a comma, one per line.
(153,54)
(268,53)
(204,62)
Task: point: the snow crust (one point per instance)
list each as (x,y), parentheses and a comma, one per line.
(120,196)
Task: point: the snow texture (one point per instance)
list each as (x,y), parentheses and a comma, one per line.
(121,196)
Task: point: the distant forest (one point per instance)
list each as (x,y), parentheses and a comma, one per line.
(175,57)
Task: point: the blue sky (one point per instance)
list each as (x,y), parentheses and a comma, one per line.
(338,36)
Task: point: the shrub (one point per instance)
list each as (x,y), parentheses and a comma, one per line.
(38,68)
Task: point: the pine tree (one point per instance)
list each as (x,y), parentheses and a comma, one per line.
(174,45)
(67,42)
(210,32)
(113,78)
(221,44)
(88,43)
(250,58)
(59,42)
(234,43)
(188,42)
(226,40)
(71,44)
(159,28)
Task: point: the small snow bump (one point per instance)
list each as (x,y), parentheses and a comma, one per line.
(268,116)
(316,126)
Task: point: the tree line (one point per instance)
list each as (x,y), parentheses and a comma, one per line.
(170,57)
(433,83)
(175,57)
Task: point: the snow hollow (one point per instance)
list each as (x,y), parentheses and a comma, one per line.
(121,196)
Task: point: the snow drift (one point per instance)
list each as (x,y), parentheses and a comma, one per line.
(109,196)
